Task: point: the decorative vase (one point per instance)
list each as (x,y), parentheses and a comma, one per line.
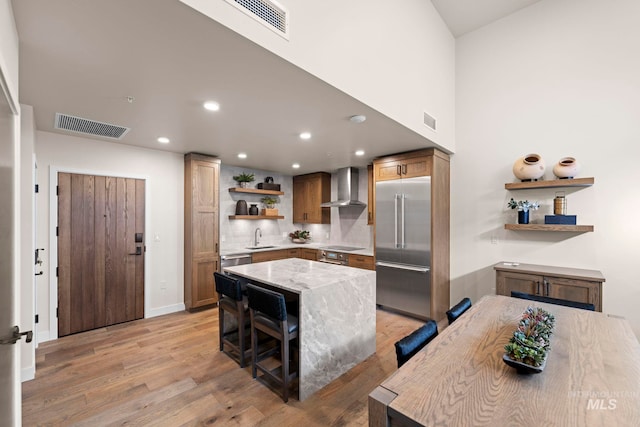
(241,207)
(523,217)
(566,168)
(529,168)
(253,210)
(243,184)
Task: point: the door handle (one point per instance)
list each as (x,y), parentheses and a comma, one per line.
(403,267)
(402,242)
(404,169)
(399,170)
(16,336)
(395,224)
(138,251)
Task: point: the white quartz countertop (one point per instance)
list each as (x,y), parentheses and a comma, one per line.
(236,250)
(297,275)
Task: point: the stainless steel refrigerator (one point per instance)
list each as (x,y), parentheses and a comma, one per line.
(403,245)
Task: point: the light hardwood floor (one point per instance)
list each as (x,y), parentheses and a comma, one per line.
(168,371)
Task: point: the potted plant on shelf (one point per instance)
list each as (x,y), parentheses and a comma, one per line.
(244,179)
(300,236)
(269,205)
(523,206)
(528,348)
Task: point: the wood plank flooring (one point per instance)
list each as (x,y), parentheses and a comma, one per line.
(168,371)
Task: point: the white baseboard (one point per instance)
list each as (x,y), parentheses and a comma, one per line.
(27,374)
(167,309)
(43,336)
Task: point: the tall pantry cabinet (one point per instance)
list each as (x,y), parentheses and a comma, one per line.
(201,224)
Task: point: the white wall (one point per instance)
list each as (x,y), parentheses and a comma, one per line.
(8,52)
(560,78)
(164,174)
(398,58)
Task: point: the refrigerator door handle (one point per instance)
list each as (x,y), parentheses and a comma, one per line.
(403,244)
(403,267)
(395,220)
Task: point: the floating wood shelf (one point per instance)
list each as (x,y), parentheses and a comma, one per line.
(574,182)
(549,227)
(256,217)
(255,191)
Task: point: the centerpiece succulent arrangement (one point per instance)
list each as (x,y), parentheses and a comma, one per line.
(300,236)
(244,179)
(530,343)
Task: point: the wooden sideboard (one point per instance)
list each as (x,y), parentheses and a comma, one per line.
(571,284)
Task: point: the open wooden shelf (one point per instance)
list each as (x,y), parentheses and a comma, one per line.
(255,191)
(256,217)
(549,227)
(573,182)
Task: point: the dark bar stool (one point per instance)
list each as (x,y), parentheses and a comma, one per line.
(408,346)
(557,301)
(232,302)
(458,309)
(268,313)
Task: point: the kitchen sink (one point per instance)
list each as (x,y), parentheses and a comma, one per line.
(260,247)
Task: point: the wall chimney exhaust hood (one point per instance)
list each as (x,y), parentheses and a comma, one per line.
(347,189)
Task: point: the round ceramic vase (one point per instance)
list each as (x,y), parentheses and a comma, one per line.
(528,168)
(567,167)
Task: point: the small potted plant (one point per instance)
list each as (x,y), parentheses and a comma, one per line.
(269,205)
(244,179)
(300,236)
(528,348)
(523,206)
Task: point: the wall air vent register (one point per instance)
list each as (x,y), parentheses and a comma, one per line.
(89,127)
(268,12)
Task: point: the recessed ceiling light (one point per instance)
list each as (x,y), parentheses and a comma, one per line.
(296,165)
(242,155)
(163,140)
(305,135)
(359,118)
(360,153)
(211,106)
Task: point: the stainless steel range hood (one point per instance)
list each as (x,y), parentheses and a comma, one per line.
(347,189)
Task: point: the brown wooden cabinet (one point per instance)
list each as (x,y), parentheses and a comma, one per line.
(274,255)
(433,163)
(403,166)
(371,211)
(310,254)
(361,261)
(201,223)
(309,191)
(571,284)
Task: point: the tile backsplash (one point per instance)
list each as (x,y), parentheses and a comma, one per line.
(348,225)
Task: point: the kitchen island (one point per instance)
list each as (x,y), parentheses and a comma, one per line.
(337,314)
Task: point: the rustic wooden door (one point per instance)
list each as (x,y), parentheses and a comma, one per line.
(100,251)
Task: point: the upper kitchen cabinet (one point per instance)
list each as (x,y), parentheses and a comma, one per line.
(201,253)
(309,191)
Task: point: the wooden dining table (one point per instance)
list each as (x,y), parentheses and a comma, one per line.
(591,377)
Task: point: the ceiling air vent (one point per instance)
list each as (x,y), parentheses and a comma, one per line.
(429,120)
(268,12)
(89,127)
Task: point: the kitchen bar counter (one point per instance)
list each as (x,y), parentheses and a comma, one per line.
(337,314)
(237,250)
(591,378)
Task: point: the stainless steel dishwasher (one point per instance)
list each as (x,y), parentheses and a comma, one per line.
(231,260)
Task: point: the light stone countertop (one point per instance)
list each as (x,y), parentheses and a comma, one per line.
(236,250)
(297,275)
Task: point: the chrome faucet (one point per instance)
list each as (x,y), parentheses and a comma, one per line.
(257,235)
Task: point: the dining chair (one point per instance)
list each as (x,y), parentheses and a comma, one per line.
(408,346)
(268,313)
(232,302)
(458,309)
(557,301)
